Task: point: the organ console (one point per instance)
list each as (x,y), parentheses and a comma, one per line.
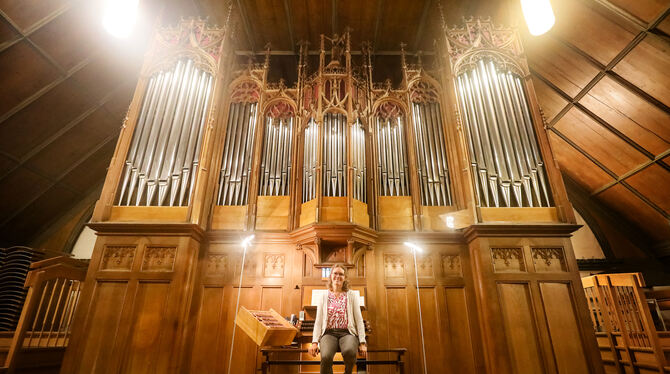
(334,168)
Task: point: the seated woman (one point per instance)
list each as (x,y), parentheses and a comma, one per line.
(339,323)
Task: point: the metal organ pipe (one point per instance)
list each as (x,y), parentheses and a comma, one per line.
(431,153)
(505,159)
(237,153)
(334,155)
(358,161)
(392,163)
(309,162)
(276,158)
(162,158)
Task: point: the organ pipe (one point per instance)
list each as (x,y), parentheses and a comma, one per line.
(276,159)
(165,149)
(334,161)
(310,162)
(237,153)
(358,161)
(506,163)
(431,153)
(392,168)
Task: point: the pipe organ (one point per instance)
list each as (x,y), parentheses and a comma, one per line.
(334,167)
(165,149)
(238,146)
(432,168)
(501,139)
(392,169)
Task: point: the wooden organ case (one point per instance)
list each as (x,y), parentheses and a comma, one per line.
(337,168)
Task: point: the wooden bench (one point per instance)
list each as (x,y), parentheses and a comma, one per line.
(361,363)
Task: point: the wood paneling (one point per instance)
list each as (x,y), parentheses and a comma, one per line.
(105,313)
(72,36)
(311,18)
(395,22)
(74,145)
(207,337)
(25,73)
(646,65)
(646,10)
(649,182)
(397,314)
(30,12)
(22,185)
(267,16)
(576,165)
(40,211)
(629,205)
(461,357)
(563,328)
(520,328)
(629,114)
(599,142)
(7,32)
(147,332)
(574,19)
(550,101)
(37,122)
(91,171)
(563,67)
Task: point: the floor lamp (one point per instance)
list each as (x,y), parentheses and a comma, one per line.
(245,244)
(415,248)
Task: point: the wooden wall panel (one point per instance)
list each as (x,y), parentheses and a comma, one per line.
(400,332)
(147,332)
(460,357)
(433,334)
(563,328)
(103,321)
(520,328)
(243,347)
(208,332)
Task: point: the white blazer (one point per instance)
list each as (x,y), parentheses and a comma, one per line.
(355,323)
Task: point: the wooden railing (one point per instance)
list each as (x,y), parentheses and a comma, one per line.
(625,331)
(43,331)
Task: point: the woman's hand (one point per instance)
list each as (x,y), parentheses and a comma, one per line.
(363,350)
(313,349)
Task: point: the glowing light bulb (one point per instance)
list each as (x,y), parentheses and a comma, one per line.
(413,246)
(247,240)
(119,17)
(539,15)
(450,222)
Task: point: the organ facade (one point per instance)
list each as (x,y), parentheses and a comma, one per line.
(334,168)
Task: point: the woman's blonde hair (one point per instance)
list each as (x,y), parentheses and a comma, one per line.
(345,284)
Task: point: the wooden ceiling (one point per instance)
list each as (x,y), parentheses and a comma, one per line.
(601,76)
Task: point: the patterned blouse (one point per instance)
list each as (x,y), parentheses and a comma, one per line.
(337,310)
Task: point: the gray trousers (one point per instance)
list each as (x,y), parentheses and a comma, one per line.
(329,344)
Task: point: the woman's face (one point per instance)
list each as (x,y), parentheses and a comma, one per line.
(337,278)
